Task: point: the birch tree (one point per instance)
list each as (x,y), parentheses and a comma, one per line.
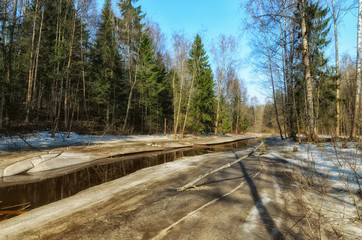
(308,78)
(358,76)
(267,59)
(339,9)
(224,56)
(131,33)
(181,47)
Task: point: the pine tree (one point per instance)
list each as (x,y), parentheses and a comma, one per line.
(202,109)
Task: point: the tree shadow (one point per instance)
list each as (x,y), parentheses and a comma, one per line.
(268,222)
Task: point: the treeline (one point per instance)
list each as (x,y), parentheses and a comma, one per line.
(310,93)
(64,67)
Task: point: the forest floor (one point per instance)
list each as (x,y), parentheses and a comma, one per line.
(261,197)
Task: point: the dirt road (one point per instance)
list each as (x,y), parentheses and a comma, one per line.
(254,199)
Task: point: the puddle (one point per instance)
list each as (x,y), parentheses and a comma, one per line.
(47,187)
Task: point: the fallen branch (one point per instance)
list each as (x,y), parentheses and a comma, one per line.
(162,234)
(192,184)
(23,205)
(7,212)
(12,212)
(22,138)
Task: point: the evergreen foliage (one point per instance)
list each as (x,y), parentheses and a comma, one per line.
(203,102)
(62,67)
(323,76)
(106,65)
(150,85)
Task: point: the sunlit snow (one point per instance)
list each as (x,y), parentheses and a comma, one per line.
(43,139)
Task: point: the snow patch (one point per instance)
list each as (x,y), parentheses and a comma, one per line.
(43,139)
(335,169)
(331,161)
(253,219)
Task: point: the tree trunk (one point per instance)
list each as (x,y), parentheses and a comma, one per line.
(31,63)
(358,75)
(217,110)
(11,42)
(272,81)
(83,75)
(295,116)
(37,63)
(180,100)
(189,101)
(132,81)
(273,87)
(338,131)
(290,115)
(178,110)
(67,82)
(226,46)
(56,98)
(174,101)
(308,78)
(3,83)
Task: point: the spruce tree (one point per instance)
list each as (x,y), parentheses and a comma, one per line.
(149,85)
(323,76)
(106,64)
(202,109)
(323,79)
(131,30)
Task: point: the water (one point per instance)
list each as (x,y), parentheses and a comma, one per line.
(51,189)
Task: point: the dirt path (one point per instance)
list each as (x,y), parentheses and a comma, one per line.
(254,199)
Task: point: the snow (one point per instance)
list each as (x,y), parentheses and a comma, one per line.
(43,139)
(331,160)
(330,171)
(335,169)
(253,219)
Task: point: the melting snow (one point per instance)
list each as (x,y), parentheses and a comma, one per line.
(331,161)
(334,163)
(43,139)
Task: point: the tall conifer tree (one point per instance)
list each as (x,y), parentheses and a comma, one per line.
(149,86)
(131,29)
(203,101)
(106,63)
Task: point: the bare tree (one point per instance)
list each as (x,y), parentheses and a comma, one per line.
(31,63)
(131,28)
(224,56)
(236,99)
(158,38)
(358,76)
(180,50)
(190,95)
(263,36)
(339,9)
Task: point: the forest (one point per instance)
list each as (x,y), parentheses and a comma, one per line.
(64,67)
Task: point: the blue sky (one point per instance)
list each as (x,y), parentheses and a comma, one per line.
(210,18)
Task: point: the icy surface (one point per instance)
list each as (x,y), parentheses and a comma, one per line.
(43,139)
(335,169)
(331,161)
